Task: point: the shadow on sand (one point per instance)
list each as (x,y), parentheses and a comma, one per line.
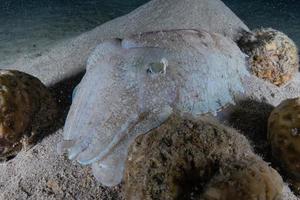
(62,92)
(250,117)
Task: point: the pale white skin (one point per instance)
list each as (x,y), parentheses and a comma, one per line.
(132,85)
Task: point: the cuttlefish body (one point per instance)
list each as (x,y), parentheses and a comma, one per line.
(132,85)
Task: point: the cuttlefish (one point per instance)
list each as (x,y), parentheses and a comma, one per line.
(134,84)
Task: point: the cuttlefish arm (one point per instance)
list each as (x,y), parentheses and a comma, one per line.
(102,107)
(109,170)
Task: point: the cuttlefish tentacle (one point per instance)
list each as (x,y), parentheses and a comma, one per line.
(103,170)
(118,136)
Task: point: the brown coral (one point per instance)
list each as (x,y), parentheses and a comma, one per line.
(284,135)
(273,56)
(178,159)
(25,106)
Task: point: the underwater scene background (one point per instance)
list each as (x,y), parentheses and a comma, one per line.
(31,27)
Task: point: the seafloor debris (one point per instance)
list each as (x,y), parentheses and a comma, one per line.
(26,106)
(132,85)
(284,136)
(197,159)
(273,56)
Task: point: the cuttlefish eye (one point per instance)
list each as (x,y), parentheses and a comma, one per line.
(158,67)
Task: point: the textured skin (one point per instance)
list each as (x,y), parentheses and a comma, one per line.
(273,56)
(26,106)
(284,136)
(197,159)
(132,85)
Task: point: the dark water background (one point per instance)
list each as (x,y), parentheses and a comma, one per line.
(33,25)
(283,15)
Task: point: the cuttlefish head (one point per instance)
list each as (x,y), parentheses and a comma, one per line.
(125,92)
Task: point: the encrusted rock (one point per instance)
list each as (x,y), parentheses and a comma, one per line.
(187,159)
(284,136)
(249,179)
(273,56)
(26,106)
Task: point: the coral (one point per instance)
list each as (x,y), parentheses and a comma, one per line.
(132,85)
(188,159)
(284,136)
(273,56)
(26,107)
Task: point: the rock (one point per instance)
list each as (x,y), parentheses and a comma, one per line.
(133,84)
(247,179)
(197,159)
(27,107)
(284,136)
(273,56)
(53,185)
